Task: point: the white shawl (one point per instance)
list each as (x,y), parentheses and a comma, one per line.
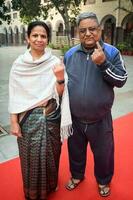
(32,82)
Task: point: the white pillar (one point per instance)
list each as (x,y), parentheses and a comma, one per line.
(53,37)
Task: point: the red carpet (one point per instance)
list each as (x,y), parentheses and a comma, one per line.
(122,183)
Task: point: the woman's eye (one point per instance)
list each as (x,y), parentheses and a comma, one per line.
(35,35)
(43,36)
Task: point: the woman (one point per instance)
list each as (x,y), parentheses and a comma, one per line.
(39,117)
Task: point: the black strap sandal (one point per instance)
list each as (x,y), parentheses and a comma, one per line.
(72,184)
(104,190)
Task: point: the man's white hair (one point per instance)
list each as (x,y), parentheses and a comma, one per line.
(86,15)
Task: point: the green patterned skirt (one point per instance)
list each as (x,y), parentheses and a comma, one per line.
(39,151)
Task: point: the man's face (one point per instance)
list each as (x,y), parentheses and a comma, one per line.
(89,33)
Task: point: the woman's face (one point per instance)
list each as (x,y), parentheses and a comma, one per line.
(38,39)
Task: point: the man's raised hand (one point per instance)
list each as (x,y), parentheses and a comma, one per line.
(98,56)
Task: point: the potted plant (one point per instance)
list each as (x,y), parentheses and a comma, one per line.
(123,47)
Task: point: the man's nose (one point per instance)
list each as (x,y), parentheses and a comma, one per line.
(88,32)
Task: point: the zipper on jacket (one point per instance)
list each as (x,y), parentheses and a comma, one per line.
(88,56)
(85,77)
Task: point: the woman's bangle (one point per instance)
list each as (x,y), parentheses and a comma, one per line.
(60,81)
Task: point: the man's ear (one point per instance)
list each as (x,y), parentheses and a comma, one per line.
(100,31)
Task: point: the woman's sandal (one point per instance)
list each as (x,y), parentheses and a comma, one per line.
(104,190)
(72,184)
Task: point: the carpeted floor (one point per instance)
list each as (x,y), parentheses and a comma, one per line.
(122,183)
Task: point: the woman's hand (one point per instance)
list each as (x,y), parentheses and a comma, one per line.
(59,71)
(15,129)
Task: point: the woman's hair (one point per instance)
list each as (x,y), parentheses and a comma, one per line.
(38,23)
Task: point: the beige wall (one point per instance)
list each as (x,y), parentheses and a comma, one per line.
(103,10)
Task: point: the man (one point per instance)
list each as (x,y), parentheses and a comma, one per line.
(93,68)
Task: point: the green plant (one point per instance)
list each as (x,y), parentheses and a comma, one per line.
(122,46)
(51,45)
(64,49)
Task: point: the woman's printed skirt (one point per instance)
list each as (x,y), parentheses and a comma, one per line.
(39,151)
